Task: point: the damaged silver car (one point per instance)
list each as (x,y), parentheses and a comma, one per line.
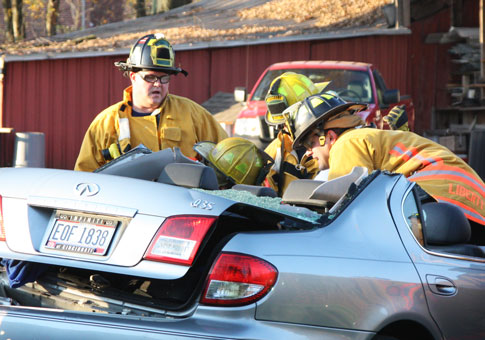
(149,247)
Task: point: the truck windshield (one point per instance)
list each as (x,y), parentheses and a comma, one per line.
(350,85)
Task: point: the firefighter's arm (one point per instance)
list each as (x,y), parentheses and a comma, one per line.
(208,129)
(89,158)
(99,136)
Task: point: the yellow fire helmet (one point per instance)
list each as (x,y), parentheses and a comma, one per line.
(286,90)
(237,158)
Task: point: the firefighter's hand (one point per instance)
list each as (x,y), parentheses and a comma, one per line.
(397,119)
(112,152)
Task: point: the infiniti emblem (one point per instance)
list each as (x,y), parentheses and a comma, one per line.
(87,189)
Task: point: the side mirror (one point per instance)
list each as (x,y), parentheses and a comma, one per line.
(391,97)
(240,94)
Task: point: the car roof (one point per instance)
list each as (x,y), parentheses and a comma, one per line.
(334,64)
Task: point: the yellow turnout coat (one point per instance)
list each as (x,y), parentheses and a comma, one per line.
(439,172)
(287,166)
(181,123)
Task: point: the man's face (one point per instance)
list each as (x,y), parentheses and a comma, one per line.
(147,95)
(318,152)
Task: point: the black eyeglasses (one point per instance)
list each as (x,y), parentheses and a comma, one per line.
(151,78)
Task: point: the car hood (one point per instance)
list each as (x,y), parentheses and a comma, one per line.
(254,109)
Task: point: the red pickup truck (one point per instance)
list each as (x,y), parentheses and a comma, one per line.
(353,81)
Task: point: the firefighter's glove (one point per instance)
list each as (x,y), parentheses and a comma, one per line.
(397,119)
(114,151)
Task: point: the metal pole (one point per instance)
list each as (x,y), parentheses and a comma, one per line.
(482,49)
(83,14)
(398,14)
(154,7)
(2,67)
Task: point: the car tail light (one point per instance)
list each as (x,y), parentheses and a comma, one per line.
(2,227)
(237,279)
(178,239)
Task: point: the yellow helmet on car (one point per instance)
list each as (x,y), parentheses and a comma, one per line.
(237,158)
(286,90)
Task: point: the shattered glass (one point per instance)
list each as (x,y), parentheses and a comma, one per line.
(270,203)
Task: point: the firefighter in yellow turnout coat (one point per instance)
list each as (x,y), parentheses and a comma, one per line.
(443,175)
(327,128)
(179,122)
(148,114)
(289,164)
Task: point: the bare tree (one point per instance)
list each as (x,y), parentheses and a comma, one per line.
(76,13)
(7,19)
(140,8)
(18,20)
(13,18)
(105,11)
(51,18)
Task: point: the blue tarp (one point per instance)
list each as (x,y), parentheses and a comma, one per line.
(22,272)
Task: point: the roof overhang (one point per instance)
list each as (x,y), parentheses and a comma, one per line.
(328,35)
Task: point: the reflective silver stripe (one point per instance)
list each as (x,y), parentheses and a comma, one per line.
(124,129)
(157,111)
(399,150)
(425,160)
(277,161)
(417,156)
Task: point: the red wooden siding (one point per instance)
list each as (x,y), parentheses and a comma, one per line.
(59,98)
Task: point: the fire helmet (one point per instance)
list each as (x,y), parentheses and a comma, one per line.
(312,113)
(151,52)
(286,90)
(237,158)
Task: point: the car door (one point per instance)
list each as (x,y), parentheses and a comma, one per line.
(454,285)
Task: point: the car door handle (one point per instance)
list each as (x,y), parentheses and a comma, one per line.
(441,285)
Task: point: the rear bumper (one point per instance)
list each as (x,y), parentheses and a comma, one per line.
(206,323)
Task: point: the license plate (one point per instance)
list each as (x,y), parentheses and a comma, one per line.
(81,234)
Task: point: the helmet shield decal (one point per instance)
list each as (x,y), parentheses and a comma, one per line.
(286,90)
(161,53)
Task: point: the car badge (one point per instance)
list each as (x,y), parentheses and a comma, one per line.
(87,189)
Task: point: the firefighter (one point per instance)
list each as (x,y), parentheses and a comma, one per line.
(148,114)
(333,135)
(289,164)
(236,161)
